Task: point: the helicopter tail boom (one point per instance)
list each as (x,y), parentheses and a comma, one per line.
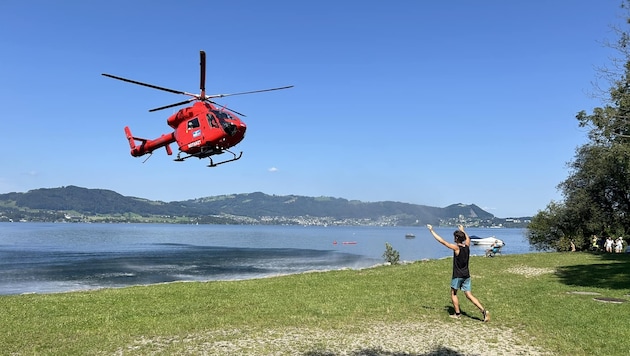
(148,146)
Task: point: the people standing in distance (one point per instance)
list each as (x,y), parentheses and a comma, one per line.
(609,244)
(461,274)
(619,245)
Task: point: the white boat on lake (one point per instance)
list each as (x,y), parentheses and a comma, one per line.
(476,240)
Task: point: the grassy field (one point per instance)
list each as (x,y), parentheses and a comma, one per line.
(532,299)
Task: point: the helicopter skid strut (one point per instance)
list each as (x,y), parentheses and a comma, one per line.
(212,164)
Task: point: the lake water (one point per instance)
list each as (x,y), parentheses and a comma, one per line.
(48,258)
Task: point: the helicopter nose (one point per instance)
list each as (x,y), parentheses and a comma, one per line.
(238,133)
(240,129)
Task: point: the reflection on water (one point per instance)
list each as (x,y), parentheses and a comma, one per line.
(44,258)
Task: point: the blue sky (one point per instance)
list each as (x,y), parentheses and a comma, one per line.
(424,102)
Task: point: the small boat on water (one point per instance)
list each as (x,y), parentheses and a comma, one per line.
(476,240)
(410,236)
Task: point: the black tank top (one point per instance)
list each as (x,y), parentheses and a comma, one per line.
(460,263)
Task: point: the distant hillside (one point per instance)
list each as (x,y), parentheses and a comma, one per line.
(82,200)
(256,206)
(259,204)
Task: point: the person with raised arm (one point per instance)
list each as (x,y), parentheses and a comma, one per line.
(461,274)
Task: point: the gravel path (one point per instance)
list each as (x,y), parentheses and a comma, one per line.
(413,339)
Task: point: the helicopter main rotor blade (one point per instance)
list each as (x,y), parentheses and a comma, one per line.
(148,85)
(247,92)
(202,74)
(172,105)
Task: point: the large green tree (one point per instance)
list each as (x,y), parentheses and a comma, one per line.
(597,192)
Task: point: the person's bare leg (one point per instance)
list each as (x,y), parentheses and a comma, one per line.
(455,300)
(475,301)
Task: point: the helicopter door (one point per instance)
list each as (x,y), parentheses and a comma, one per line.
(193,134)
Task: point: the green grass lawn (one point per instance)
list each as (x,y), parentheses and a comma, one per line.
(532,295)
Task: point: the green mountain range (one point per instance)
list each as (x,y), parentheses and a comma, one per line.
(76,203)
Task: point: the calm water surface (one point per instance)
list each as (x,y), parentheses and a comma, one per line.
(46,258)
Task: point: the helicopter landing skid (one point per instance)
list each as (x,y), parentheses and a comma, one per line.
(212,164)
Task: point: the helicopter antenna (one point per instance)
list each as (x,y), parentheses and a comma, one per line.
(150,154)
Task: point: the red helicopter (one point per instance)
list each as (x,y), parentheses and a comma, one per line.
(201,130)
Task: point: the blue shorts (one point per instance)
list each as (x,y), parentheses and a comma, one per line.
(464,284)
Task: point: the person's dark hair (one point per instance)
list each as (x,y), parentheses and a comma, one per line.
(459,236)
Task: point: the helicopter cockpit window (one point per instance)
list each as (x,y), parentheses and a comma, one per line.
(211,120)
(227,126)
(192,124)
(222,115)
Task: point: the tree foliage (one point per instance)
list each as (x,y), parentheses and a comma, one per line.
(597,190)
(547,227)
(391,255)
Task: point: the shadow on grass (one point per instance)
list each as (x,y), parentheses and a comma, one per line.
(612,274)
(379,352)
(451,310)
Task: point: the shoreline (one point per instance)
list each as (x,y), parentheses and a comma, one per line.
(98,288)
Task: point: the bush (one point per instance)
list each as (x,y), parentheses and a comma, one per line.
(390,255)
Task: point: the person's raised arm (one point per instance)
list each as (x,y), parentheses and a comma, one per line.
(461,228)
(453,247)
